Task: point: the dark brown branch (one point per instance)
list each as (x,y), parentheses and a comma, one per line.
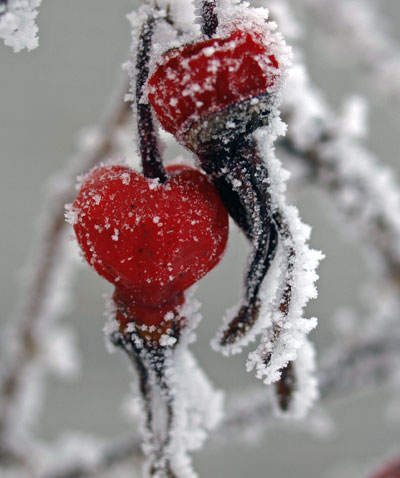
(241,180)
(149,360)
(209,18)
(148,141)
(250,206)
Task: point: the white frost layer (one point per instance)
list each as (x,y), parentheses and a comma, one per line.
(236,17)
(197,406)
(306,385)
(364,191)
(18,28)
(303,262)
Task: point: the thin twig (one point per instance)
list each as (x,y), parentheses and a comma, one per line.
(21,355)
(378,231)
(148,141)
(108,456)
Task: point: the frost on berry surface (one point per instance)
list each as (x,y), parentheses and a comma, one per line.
(196,81)
(18,27)
(152,240)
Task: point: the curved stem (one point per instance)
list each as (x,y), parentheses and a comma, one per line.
(149,360)
(148,141)
(241,180)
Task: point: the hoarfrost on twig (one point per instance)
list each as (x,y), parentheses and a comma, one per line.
(18,28)
(46,289)
(360,28)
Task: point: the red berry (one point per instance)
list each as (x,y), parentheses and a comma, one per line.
(195,82)
(151,240)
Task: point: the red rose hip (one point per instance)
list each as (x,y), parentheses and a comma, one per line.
(208,93)
(151,240)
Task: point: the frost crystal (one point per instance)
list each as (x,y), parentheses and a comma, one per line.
(18,28)
(284,332)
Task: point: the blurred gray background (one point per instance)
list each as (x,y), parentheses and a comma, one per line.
(46,97)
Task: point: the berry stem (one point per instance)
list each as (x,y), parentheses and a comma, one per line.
(209,18)
(149,360)
(241,178)
(148,142)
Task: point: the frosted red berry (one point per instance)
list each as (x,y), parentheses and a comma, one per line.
(202,81)
(151,240)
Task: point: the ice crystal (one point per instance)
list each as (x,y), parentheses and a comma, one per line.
(18,28)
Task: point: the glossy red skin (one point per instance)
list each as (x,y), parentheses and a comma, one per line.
(392,470)
(168,236)
(129,310)
(232,72)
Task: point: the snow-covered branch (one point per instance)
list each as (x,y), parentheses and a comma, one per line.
(363,190)
(29,341)
(359,28)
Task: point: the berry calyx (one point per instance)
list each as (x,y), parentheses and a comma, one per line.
(151,322)
(151,240)
(208,93)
